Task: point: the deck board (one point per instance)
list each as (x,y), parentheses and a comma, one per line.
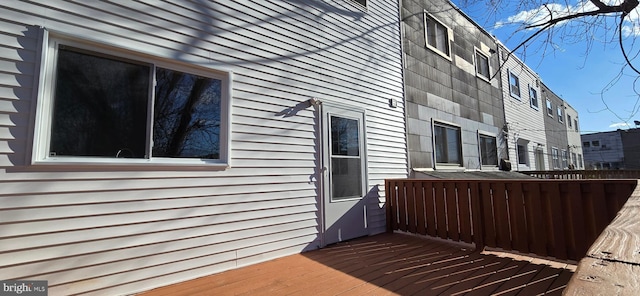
(386,264)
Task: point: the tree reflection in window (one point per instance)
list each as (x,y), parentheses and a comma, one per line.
(186,115)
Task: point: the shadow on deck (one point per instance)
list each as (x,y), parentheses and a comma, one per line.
(386,264)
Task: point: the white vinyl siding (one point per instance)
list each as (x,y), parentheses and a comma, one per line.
(109,230)
(525,124)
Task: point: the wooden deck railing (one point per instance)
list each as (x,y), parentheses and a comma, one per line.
(552,218)
(582,174)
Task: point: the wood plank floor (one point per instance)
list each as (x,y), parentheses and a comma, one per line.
(386,264)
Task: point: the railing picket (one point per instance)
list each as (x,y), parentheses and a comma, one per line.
(574,220)
(452,211)
(552,205)
(429,200)
(441,226)
(402,205)
(464,204)
(411,207)
(501,213)
(489,219)
(420,209)
(517,215)
(535,223)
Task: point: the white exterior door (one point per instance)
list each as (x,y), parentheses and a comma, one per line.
(345,182)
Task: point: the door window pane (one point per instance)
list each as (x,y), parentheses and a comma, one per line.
(346,164)
(344,136)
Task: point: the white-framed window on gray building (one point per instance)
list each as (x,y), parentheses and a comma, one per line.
(437,35)
(569,122)
(523,154)
(555,157)
(514,85)
(575,124)
(560,115)
(579,160)
(549,108)
(565,162)
(482,65)
(106,105)
(448,144)
(488,150)
(533,97)
(574,160)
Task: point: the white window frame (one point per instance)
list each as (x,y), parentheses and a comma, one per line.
(549,108)
(459,142)
(560,114)
(555,157)
(565,161)
(575,124)
(475,58)
(362,3)
(533,94)
(480,147)
(511,86)
(449,37)
(42,132)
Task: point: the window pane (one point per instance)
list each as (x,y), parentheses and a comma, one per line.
(488,150)
(186,115)
(347,178)
(100,106)
(514,84)
(482,65)
(344,136)
(437,35)
(447,145)
(522,154)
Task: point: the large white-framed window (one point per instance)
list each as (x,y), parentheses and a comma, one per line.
(437,36)
(105,105)
(523,153)
(565,161)
(514,85)
(488,150)
(533,98)
(482,65)
(448,144)
(549,108)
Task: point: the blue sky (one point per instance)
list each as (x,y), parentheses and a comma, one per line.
(584,68)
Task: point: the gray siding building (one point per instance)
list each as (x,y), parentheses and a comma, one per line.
(454,103)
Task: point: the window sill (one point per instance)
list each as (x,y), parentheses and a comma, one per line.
(157,163)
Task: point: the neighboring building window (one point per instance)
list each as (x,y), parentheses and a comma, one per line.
(533,95)
(522,154)
(574,160)
(448,144)
(569,121)
(595,143)
(549,108)
(580,160)
(565,162)
(560,115)
(586,144)
(555,158)
(488,150)
(437,35)
(108,106)
(575,124)
(362,2)
(514,85)
(482,65)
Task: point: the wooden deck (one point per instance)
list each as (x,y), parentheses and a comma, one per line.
(386,264)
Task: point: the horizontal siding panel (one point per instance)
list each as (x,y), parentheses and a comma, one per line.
(32,187)
(152,254)
(198,232)
(37,240)
(13,93)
